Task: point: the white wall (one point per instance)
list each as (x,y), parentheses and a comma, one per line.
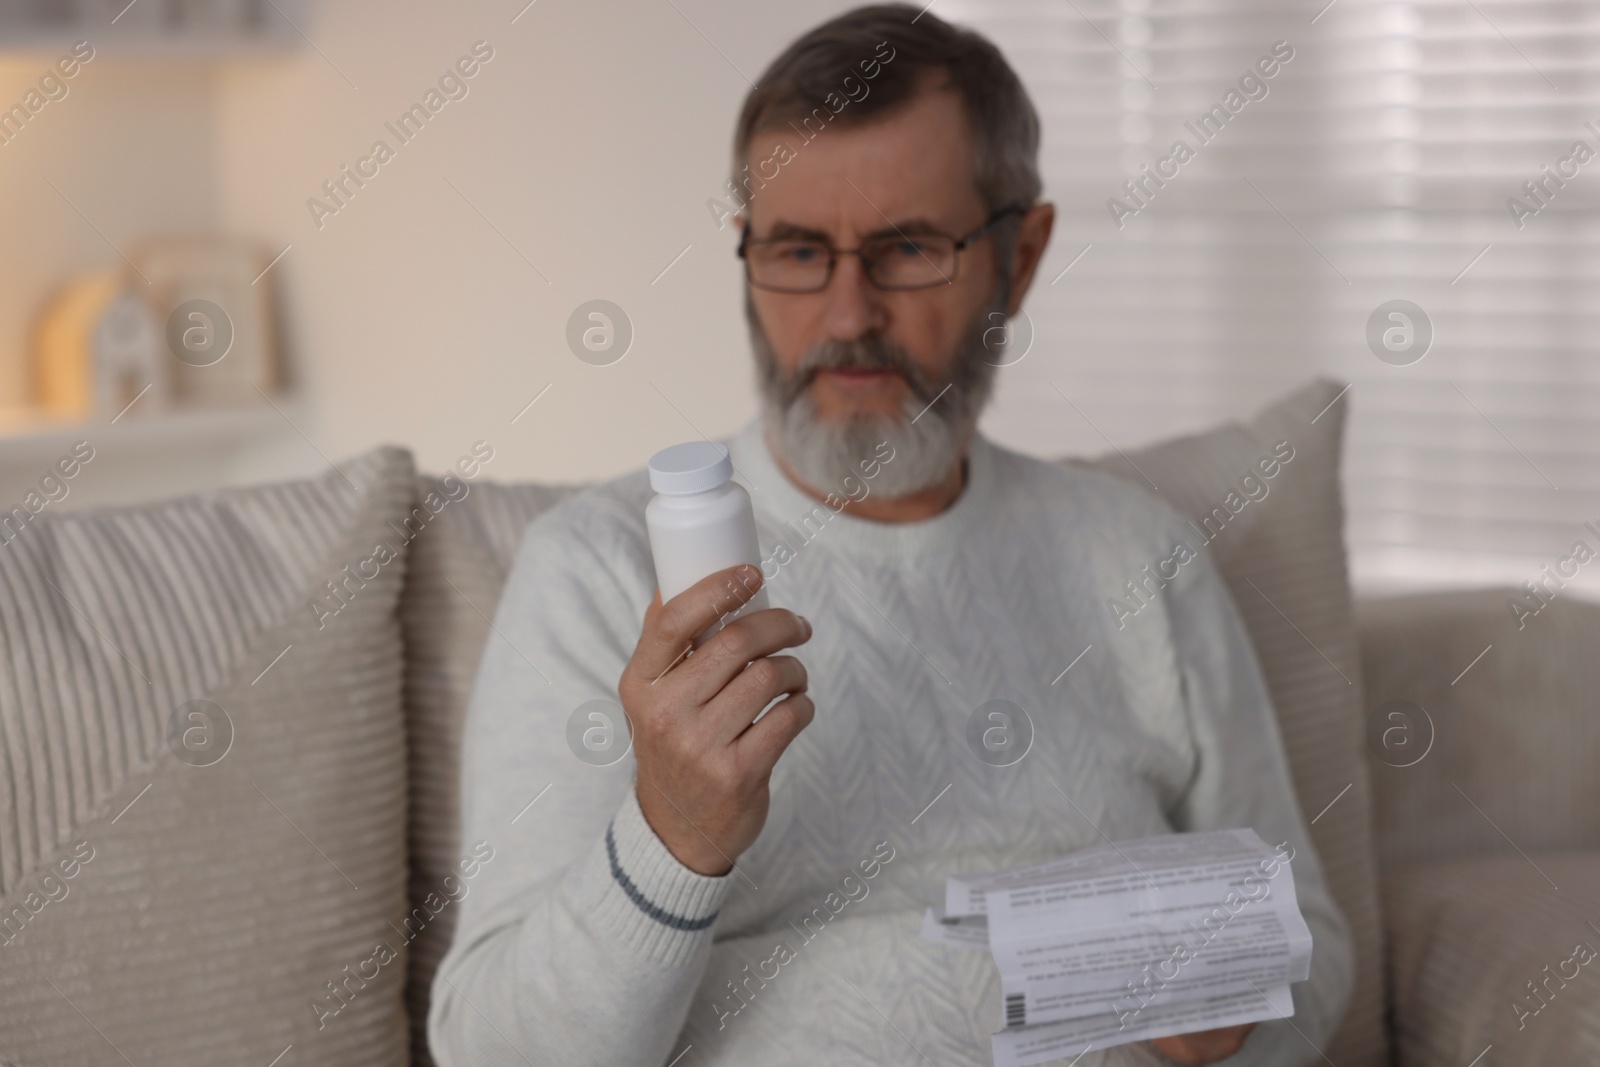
(591,142)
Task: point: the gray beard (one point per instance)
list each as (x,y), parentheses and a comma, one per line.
(827,452)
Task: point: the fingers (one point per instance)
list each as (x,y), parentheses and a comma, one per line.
(762,743)
(714,666)
(738,643)
(670,628)
(753,688)
(1204,1046)
(706,799)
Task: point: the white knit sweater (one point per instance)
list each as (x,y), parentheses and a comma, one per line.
(587,943)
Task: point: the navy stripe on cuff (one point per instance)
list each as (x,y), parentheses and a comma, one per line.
(660,915)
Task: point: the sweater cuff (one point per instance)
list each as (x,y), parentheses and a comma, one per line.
(647,900)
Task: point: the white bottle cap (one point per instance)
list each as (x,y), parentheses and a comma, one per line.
(692,467)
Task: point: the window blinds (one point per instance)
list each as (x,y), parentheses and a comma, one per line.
(1441,153)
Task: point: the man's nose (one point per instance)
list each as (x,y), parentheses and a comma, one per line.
(854,308)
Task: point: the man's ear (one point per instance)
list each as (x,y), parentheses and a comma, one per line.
(1033,236)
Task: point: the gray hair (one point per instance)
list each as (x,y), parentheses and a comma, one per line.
(797,85)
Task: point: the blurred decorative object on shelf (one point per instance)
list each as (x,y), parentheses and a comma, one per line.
(196,29)
(187,326)
(97,349)
(216,311)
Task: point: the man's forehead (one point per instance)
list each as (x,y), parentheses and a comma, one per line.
(913,164)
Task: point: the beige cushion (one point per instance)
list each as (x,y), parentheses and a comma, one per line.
(1289,544)
(1282,557)
(189,911)
(1466,936)
(457,569)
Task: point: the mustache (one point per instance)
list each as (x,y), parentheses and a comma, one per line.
(861,353)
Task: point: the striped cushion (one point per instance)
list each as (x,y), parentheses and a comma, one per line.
(1467,937)
(178,889)
(1282,557)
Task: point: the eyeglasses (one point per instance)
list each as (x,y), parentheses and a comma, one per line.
(893,261)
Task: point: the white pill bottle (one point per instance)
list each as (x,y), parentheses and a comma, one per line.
(700,522)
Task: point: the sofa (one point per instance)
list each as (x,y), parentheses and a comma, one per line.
(230,725)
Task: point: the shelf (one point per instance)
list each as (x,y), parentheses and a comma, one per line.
(207,31)
(31,438)
(207,46)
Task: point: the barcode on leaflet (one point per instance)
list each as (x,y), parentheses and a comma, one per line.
(1016,1013)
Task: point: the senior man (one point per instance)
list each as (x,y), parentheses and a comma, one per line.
(747,888)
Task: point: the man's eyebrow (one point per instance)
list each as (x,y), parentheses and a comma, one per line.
(792,231)
(917,225)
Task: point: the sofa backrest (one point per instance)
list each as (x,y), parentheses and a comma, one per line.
(455,575)
(1482,727)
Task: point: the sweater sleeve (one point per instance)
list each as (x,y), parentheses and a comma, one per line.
(1242,779)
(583,938)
